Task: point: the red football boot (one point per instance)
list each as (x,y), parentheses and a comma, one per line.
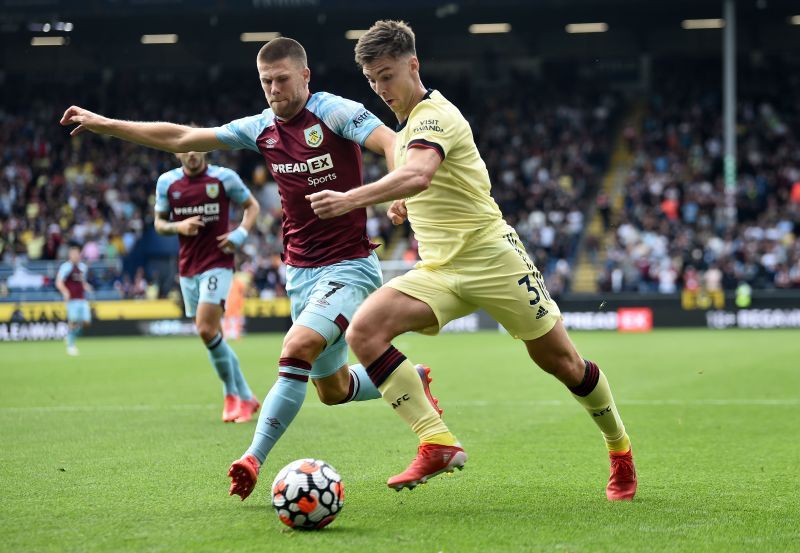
(431,460)
(230,409)
(425,375)
(244,475)
(247,408)
(622,482)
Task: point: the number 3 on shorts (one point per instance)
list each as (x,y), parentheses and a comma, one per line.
(526,280)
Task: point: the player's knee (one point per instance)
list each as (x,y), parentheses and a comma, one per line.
(207,331)
(301,348)
(357,336)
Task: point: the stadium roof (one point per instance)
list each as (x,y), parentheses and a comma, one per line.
(109,32)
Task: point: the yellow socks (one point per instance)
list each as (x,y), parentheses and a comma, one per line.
(401,386)
(594,394)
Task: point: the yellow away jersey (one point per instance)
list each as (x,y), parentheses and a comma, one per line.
(457,205)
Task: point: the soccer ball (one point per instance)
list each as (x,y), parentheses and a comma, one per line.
(307,494)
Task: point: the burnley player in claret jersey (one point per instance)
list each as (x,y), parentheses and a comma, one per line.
(194,202)
(310,142)
(71,282)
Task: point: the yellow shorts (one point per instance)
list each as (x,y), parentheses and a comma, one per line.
(495,274)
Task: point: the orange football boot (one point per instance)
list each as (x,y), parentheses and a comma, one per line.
(244,475)
(431,460)
(247,408)
(230,409)
(622,482)
(425,375)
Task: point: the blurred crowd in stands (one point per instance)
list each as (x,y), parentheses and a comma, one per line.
(680,228)
(546,143)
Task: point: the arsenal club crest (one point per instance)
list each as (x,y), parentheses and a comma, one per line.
(313,135)
(212,190)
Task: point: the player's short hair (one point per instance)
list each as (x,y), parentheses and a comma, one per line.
(385,38)
(282,48)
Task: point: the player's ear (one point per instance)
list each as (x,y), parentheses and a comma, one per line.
(306,74)
(413,64)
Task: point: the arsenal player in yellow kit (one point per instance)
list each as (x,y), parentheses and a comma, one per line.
(470,258)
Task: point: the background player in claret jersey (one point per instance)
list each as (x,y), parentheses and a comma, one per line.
(71,282)
(309,142)
(470,258)
(193,201)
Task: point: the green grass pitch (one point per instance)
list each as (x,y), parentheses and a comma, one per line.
(122,449)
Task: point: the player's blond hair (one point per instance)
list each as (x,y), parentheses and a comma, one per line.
(282,48)
(385,38)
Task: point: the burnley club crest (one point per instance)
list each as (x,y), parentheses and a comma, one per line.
(212,190)
(313,135)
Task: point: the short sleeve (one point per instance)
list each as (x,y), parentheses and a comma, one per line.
(432,128)
(241,134)
(64,271)
(348,119)
(162,187)
(235,188)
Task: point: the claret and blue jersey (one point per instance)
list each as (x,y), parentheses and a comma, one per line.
(316,149)
(209,195)
(73,276)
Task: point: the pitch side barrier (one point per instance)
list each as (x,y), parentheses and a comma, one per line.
(38,321)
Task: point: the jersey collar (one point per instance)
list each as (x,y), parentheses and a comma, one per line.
(401,126)
(196,175)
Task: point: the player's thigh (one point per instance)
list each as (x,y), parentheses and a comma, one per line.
(303,342)
(78,312)
(214,285)
(421,300)
(72,311)
(86,313)
(190,290)
(208,316)
(510,288)
(330,361)
(327,303)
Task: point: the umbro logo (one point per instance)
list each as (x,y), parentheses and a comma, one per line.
(271,142)
(542,312)
(446,457)
(273,422)
(176,195)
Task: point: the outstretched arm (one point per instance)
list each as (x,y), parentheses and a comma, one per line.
(409,180)
(162,136)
